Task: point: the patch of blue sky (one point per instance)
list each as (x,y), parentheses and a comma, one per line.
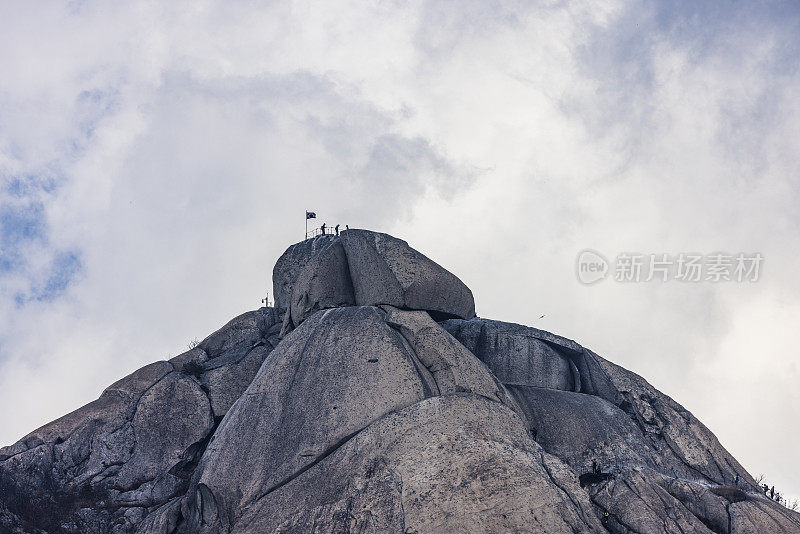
(64,270)
(30,184)
(712,27)
(23,214)
(21,222)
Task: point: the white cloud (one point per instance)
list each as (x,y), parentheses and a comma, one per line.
(174,149)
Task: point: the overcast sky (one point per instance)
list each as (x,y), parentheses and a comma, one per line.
(156,158)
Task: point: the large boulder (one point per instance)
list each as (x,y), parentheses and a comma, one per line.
(385,270)
(365,268)
(525,356)
(324,283)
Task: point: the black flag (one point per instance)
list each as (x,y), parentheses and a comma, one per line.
(311,215)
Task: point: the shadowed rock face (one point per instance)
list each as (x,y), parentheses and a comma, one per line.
(349,408)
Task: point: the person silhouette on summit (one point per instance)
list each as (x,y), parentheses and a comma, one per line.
(337,230)
(322,228)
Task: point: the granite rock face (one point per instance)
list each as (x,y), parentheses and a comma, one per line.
(349,408)
(365,268)
(107,465)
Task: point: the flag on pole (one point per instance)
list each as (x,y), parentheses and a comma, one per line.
(311,215)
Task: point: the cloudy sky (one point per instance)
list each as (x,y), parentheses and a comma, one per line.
(156,158)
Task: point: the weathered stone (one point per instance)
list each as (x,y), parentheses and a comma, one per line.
(176,403)
(227,383)
(324,283)
(192,357)
(643,441)
(102,467)
(246,329)
(164,520)
(291,264)
(665,421)
(366,269)
(371,417)
(756,516)
(699,499)
(457,463)
(637,505)
(331,377)
(385,270)
(515,354)
(525,356)
(583,429)
(454,368)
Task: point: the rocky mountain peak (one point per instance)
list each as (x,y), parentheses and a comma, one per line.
(371,399)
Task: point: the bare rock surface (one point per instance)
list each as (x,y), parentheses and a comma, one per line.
(660,469)
(107,465)
(371,399)
(455,463)
(291,264)
(761,515)
(365,268)
(328,379)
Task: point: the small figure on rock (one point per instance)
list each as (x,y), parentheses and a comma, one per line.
(736,479)
(337,230)
(322,228)
(765,488)
(772,492)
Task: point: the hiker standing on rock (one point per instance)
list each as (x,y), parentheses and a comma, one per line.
(322,228)
(337,230)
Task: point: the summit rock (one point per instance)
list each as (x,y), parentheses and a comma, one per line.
(364,268)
